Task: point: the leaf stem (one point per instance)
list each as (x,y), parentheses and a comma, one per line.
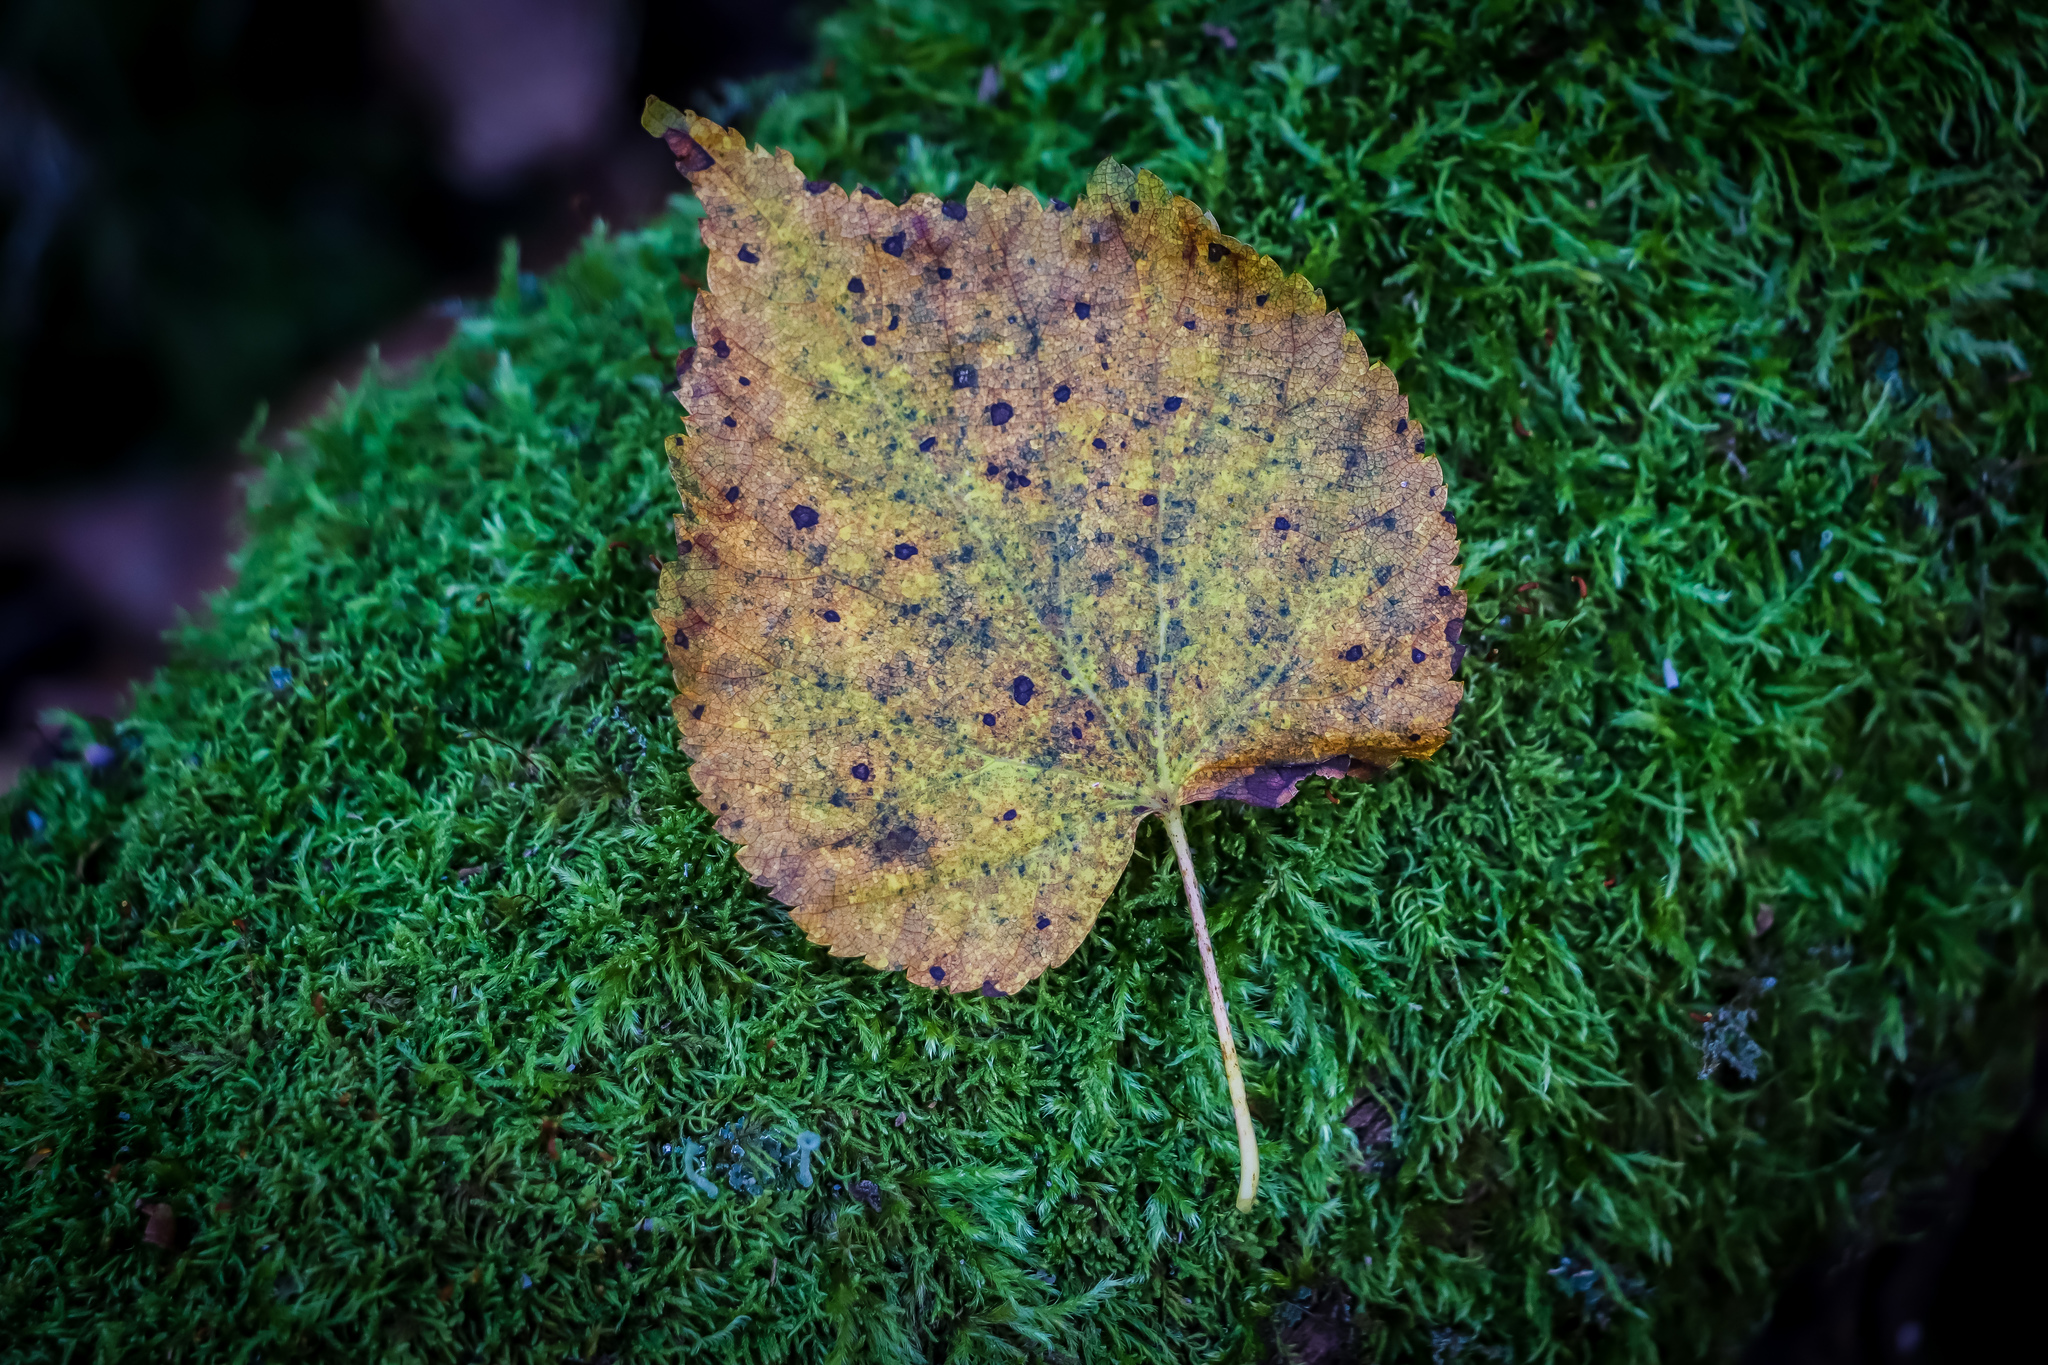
(1247,1140)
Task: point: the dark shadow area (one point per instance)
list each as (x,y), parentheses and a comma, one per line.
(1960,1288)
(207,205)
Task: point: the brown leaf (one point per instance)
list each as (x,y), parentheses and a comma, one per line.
(1369,1119)
(1014,524)
(162,1226)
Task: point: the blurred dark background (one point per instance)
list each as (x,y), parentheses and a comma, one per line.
(207,205)
(211,205)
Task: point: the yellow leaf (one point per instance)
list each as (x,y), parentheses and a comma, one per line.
(1009,524)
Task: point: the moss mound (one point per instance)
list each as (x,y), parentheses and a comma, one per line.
(379,989)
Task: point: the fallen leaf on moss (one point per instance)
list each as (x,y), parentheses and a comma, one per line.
(161,1227)
(1010,524)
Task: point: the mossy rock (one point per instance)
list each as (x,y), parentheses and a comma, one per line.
(371,989)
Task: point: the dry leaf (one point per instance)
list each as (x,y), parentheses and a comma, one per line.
(161,1227)
(1010,524)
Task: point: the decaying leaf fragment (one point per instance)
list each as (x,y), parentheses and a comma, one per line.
(1009,524)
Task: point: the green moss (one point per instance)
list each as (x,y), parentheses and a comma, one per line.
(393,954)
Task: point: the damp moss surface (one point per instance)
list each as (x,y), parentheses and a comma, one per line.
(378,989)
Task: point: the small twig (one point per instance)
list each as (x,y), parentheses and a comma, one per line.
(1247,1140)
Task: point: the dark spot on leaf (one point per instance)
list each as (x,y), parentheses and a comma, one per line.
(1077,732)
(1044,923)
(905,551)
(1020,691)
(872,194)
(868,340)
(747,256)
(1274,784)
(1260,300)
(691,158)
(1060,206)
(988,988)
(729,422)
(1068,676)
(732,494)
(945,272)
(862,772)
(696,713)
(1081,311)
(1101,444)
(804,517)
(682,641)
(964,377)
(1354,654)
(854,286)
(1421,446)
(893,321)
(1172,404)
(1417,655)
(893,245)
(901,842)
(955,210)
(1014,481)
(1189,324)
(1453,628)
(1062,394)
(938,973)
(745,382)
(1450,516)
(1442,590)
(1150,500)
(1401,427)
(1134,206)
(816,186)
(1009,815)
(1216,252)
(720,349)
(1382,574)
(832,616)
(999,413)
(988,718)
(925,446)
